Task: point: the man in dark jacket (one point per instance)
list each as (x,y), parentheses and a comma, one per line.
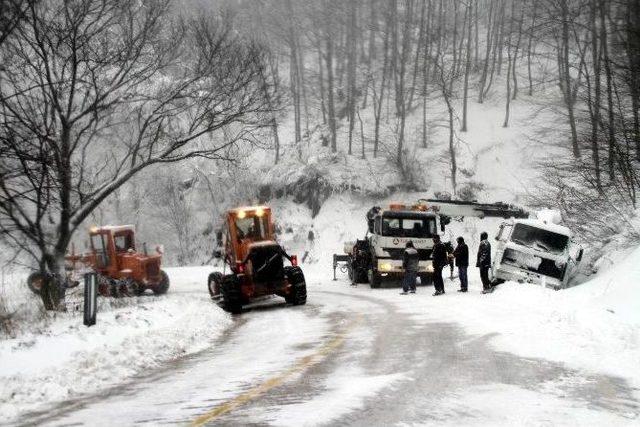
(410,262)
(461,254)
(439,256)
(484,262)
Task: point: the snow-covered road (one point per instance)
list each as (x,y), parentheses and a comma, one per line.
(357,356)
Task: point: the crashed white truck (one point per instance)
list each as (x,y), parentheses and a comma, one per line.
(535,251)
(377,258)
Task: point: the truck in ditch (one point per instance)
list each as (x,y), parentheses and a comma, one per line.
(535,251)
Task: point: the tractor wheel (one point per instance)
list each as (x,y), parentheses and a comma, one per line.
(35,281)
(104,287)
(213,284)
(298,294)
(374,278)
(231,295)
(426,279)
(163,286)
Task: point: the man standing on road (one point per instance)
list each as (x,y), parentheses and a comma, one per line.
(484,262)
(439,256)
(410,262)
(461,254)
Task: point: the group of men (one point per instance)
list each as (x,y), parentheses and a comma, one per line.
(442,257)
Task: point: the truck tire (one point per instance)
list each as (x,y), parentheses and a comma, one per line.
(163,286)
(426,279)
(35,282)
(231,295)
(298,294)
(213,284)
(374,278)
(360,275)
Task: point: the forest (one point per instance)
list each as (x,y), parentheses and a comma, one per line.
(162,114)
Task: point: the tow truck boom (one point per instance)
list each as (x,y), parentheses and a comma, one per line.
(460,208)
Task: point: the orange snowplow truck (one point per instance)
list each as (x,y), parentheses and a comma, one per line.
(121,269)
(257,262)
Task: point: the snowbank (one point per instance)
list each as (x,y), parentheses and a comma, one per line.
(68,359)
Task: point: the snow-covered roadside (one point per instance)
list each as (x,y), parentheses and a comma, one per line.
(69,359)
(593,327)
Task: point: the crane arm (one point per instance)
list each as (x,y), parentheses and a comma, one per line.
(461,208)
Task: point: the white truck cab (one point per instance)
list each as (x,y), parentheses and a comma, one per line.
(392,229)
(535,251)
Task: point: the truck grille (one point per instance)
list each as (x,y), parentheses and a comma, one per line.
(267,263)
(397,253)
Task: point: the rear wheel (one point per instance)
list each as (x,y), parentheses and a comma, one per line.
(213,284)
(231,295)
(374,278)
(298,294)
(35,281)
(163,286)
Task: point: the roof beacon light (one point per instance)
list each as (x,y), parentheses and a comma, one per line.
(259,212)
(242,214)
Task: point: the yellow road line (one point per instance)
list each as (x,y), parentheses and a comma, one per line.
(303,364)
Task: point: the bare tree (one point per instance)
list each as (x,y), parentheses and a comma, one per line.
(99,90)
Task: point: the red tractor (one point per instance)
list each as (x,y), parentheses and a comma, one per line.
(256,261)
(121,269)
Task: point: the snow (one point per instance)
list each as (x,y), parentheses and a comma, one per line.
(593,327)
(344,391)
(69,359)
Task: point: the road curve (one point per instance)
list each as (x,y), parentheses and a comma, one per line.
(351,357)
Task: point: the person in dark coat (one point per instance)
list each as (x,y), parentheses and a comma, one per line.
(461,255)
(484,262)
(410,260)
(440,260)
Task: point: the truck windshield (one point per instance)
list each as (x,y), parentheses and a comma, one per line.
(540,239)
(409,227)
(252,227)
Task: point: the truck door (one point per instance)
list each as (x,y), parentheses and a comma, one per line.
(99,246)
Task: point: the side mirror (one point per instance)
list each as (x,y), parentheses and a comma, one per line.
(580,253)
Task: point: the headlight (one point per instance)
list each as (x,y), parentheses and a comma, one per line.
(385,267)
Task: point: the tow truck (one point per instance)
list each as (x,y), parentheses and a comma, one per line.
(378,257)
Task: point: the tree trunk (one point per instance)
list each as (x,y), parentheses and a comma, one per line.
(595,103)
(416,63)
(515,54)
(566,77)
(466,74)
(534,6)
(351,64)
(323,105)
(509,64)
(608,74)
(329,62)
(485,68)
